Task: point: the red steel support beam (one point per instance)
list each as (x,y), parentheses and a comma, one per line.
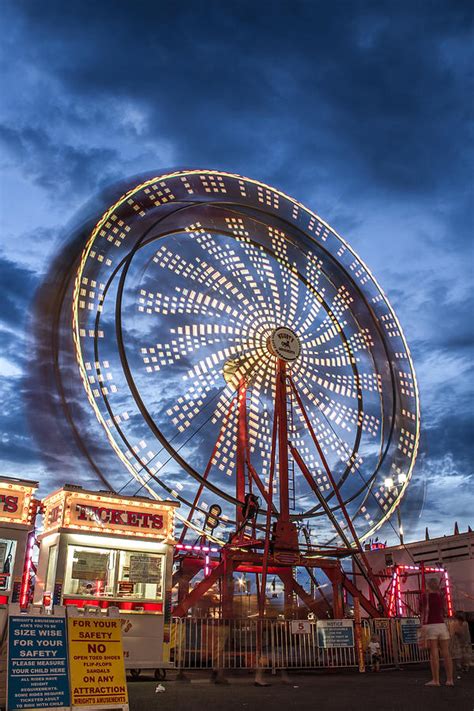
(370,573)
(289,582)
(368,606)
(266,550)
(261,487)
(307,474)
(280,402)
(227,588)
(284,518)
(183,606)
(241,454)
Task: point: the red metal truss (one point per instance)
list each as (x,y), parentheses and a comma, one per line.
(281,550)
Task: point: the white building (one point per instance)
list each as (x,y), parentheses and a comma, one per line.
(453,553)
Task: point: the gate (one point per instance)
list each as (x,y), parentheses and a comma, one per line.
(271,644)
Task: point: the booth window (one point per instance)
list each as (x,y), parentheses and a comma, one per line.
(104,572)
(7,561)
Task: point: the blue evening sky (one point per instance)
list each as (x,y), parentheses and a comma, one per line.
(360,110)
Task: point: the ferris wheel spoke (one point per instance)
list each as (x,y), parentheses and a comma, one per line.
(338,357)
(228,259)
(357,342)
(351,386)
(219,414)
(329,331)
(291,285)
(342,385)
(184,302)
(260,426)
(188,341)
(333,323)
(205,274)
(314,292)
(329,440)
(269,277)
(189,405)
(287,271)
(224,457)
(261,263)
(309,316)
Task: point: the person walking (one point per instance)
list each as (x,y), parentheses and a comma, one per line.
(436,632)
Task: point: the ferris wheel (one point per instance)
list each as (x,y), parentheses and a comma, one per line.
(205,306)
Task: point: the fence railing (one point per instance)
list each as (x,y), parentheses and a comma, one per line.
(272,644)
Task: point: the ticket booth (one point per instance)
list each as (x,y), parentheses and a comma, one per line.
(17,518)
(100,549)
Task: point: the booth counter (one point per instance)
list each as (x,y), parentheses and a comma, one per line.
(100,549)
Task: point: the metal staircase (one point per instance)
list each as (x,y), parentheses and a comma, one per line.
(291,461)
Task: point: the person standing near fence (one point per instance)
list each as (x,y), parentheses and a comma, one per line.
(436,632)
(461,647)
(375,653)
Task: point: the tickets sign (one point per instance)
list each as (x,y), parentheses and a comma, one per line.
(97,670)
(15,503)
(108,514)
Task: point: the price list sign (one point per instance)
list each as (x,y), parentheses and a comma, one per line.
(37,663)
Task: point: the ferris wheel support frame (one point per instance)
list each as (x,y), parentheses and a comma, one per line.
(242,450)
(281,548)
(365,569)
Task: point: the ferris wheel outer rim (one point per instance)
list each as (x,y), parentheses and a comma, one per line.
(140,186)
(76,336)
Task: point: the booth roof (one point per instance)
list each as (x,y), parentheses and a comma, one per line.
(74,488)
(19,482)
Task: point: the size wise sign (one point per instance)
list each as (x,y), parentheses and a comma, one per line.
(37,674)
(97,669)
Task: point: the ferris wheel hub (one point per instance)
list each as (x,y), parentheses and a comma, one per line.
(284,343)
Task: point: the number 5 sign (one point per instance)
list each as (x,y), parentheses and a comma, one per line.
(300,627)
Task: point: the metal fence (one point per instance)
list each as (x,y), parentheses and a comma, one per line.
(271,644)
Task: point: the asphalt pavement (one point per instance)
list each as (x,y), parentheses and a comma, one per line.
(349,691)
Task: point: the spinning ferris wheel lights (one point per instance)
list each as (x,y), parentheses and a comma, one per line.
(229,342)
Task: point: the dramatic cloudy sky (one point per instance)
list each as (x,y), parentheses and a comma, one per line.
(361,110)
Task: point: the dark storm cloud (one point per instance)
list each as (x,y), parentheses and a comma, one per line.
(16,445)
(368,93)
(360,109)
(18,286)
(52,164)
(17,449)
